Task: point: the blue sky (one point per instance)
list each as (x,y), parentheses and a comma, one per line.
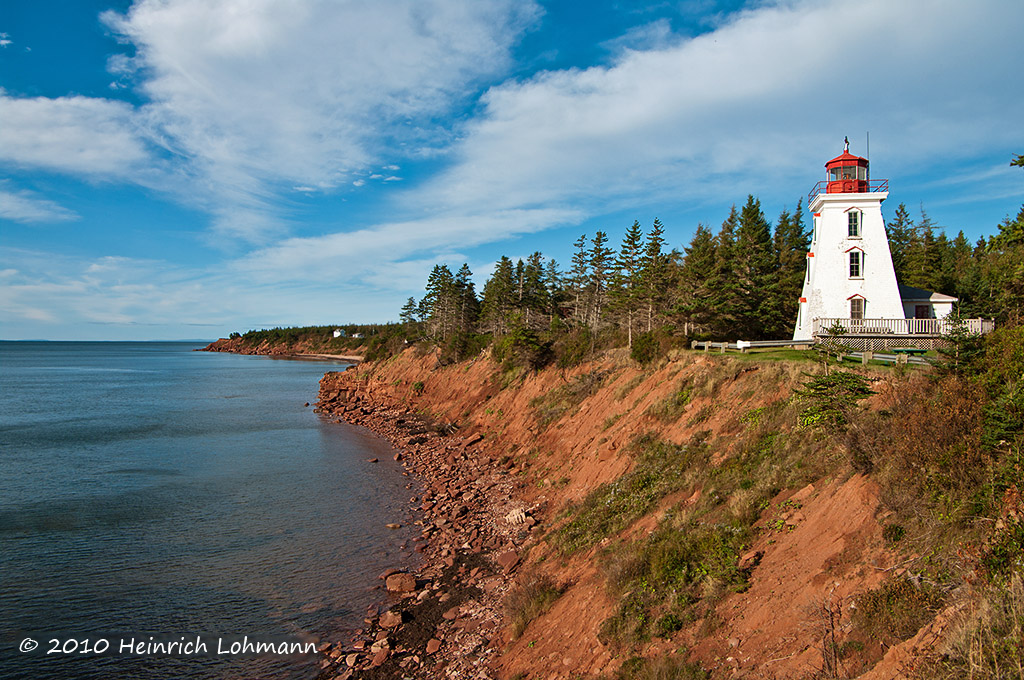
(187,168)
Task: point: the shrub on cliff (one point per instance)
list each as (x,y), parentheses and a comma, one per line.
(646,349)
(522,348)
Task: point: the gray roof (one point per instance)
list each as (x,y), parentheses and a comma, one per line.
(911,294)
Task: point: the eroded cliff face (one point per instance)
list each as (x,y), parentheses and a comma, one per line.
(311,347)
(530,446)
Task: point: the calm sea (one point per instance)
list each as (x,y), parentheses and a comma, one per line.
(147,490)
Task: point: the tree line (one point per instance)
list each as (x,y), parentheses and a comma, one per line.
(741,281)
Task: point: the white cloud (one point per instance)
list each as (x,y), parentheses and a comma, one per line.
(26,206)
(753,105)
(376,250)
(85,136)
(258,92)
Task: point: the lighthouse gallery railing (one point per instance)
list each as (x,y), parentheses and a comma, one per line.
(874,185)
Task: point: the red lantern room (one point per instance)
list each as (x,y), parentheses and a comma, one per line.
(847,174)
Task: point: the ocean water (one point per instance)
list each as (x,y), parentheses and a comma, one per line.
(148,491)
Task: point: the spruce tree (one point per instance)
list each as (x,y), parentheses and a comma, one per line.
(533,300)
(408,313)
(791,245)
(654,272)
(755,269)
(697,289)
(467,304)
(900,232)
(624,291)
(599,263)
(578,280)
(727,303)
(499,297)
(555,290)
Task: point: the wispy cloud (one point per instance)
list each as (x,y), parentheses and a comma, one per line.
(750,104)
(85,136)
(26,206)
(256,94)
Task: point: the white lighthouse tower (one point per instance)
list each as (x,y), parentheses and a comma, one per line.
(850,277)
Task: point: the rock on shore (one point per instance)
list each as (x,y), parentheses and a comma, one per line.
(445,619)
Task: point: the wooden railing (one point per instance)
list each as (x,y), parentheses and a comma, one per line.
(934,327)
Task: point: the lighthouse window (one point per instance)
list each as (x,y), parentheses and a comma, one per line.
(853,221)
(857,308)
(856,264)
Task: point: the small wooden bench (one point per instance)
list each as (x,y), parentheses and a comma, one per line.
(914,351)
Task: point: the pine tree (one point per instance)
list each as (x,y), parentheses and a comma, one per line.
(533,299)
(555,290)
(599,263)
(624,291)
(755,270)
(900,232)
(438,306)
(408,313)
(654,271)
(578,280)
(499,298)
(696,304)
(727,303)
(468,307)
(791,245)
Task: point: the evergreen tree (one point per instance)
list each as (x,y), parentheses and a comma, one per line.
(755,270)
(697,299)
(533,298)
(499,298)
(900,232)
(625,289)
(599,263)
(791,245)
(578,280)
(438,305)
(727,303)
(654,272)
(555,290)
(468,307)
(408,313)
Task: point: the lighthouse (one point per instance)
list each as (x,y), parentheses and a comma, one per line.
(850,277)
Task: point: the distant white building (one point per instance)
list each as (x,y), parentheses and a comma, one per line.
(850,280)
(339,333)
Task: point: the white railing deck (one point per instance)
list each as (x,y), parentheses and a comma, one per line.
(910,327)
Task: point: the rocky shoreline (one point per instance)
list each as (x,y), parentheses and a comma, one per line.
(446,619)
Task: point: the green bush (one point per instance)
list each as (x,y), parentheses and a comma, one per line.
(893,533)
(831,399)
(646,348)
(667,572)
(572,349)
(564,399)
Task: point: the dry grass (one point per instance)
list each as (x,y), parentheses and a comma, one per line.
(987,642)
(528,599)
